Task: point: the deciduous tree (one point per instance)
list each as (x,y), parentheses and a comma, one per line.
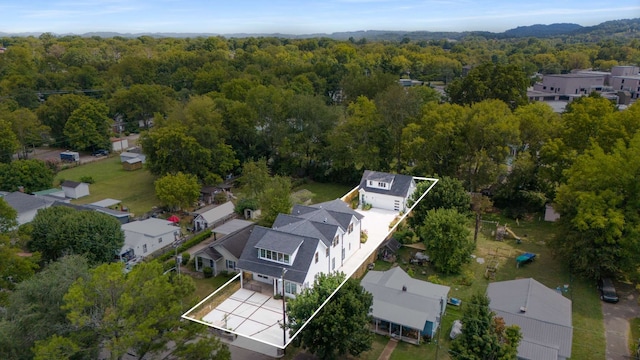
(275,199)
(341,327)
(448,193)
(447,238)
(88,127)
(8,142)
(178,190)
(33,175)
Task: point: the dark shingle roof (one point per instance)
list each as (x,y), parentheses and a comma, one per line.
(70,184)
(399,187)
(236,241)
(22,202)
(299,226)
(296,272)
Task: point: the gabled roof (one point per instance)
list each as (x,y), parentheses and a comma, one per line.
(299,226)
(23,203)
(71,184)
(400,184)
(279,241)
(546,320)
(234,243)
(420,302)
(218,212)
(335,212)
(392,244)
(296,272)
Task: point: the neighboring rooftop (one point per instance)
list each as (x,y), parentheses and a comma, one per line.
(152,227)
(399,183)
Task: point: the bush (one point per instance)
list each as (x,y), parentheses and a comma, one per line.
(364,236)
(434,279)
(354,203)
(185,258)
(208,272)
(87,179)
(188,244)
(366,206)
(410,272)
(466,278)
(246,203)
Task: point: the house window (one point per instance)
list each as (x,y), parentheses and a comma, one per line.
(263,277)
(343,253)
(316,257)
(159,240)
(327,252)
(370,183)
(333,264)
(231,264)
(274,256)
(211,263)
(144,248)
(336,240)
(381,184)
(350,229)
(290,288)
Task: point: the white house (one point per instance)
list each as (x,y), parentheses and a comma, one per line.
(75,190)
(403,307)
(223,254)
(26,205)
(313,239)
(386,191)
(210,215)
(144,237)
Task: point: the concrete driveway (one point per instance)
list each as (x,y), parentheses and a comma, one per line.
(616,322)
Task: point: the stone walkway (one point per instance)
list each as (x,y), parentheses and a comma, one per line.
(388,350)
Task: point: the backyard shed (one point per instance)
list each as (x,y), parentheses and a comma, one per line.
(74,189)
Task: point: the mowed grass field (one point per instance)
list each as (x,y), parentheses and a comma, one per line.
(134,188)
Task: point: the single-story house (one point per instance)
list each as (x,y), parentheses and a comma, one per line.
(144,237)
(386,191)
(223,254)
(74,189)
(209,216)
(313,239)
(543,315)
(26,205)
(128,155)
(403,307)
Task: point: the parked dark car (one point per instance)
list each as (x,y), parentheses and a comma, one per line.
(101,152)
(607,290)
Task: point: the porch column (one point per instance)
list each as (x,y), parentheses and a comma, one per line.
(241,279)
(197,258)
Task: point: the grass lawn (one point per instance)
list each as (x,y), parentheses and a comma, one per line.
(134,188)
(634,334)
(324,191)
(205,286)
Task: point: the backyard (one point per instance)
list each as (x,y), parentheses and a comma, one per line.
(134,188)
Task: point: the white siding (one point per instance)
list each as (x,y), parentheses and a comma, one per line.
(322,266)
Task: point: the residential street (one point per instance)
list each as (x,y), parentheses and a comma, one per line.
(616,322)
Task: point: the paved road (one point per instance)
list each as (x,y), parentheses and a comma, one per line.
(616,322)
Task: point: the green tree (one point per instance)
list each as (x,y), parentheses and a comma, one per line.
(178,190)
(88,127)
(8,217)
(33,311)
(484,335)
(120,324)
(598,212)
(255,178)
(447,238)
(28,129)
(60,230)
(55,112)
(448,193)
(341,327)
(490,81)
(33,175)
(139,104)
(56,347)
(275,199)
(14,268)
(8,142)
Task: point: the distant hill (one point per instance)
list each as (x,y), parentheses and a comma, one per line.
(614,28)
(540,30)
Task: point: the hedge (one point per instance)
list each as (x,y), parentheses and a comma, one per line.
(187,244)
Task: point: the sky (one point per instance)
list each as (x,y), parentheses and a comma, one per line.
(300,16)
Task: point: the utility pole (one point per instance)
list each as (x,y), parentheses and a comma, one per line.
(284,319)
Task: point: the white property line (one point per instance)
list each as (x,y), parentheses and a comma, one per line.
(347,276)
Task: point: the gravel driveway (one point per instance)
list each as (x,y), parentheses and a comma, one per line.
(616,322)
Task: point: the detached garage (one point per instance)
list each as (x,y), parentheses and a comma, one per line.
(386,191)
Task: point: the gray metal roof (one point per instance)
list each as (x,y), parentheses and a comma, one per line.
(151,227)
(22,202)
(547,316)
(232,226)
(296,272)
(216,213)
(420,302)
(400,184)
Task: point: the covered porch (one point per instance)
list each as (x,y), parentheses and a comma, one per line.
(396,331)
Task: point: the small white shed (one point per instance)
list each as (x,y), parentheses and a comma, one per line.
(75,190)
(119,144)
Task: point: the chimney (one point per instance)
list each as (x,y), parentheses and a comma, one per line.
(404,288)
(21,189)
(523,309)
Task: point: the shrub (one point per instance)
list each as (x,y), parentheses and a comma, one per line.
(354,203)
(366,206)
(434,279)
(188,244)
(364,235)
(185,258)
(410,272)
(208,272)
(87,179)
(246,203)
(466,278)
